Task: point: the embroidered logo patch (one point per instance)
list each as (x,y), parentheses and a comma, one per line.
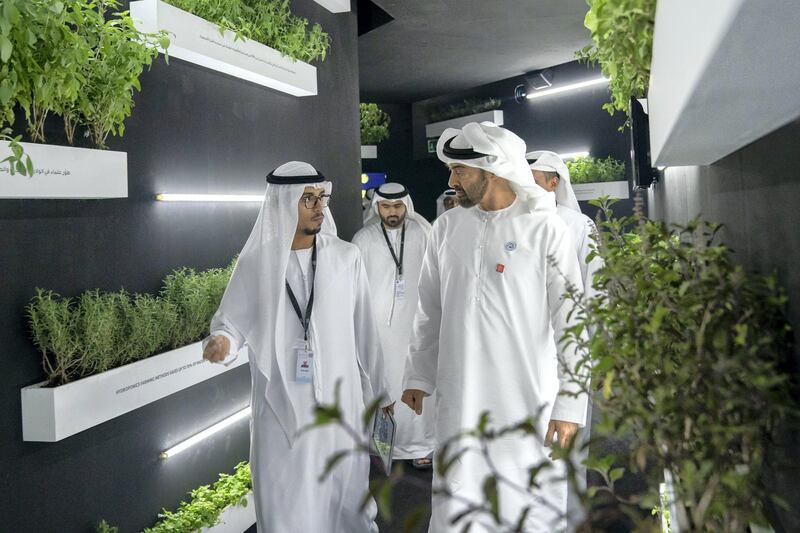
(510,246)
(500,268)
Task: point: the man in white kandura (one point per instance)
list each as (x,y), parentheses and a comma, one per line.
(550,173)
(299,299)
(446,201)
(485,335)
(392,244)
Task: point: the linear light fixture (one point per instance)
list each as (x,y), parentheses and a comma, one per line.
(574,155)
(565,88)
(165,197)
(206,433)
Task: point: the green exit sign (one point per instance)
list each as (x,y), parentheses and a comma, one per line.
(432,145)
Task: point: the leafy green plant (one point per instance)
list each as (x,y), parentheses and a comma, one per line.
(270,22)
(374,124)
(622,35)
(99,331)
(71,58)
(18,161)
(688,349)
(594,170)
(105,527)
(207,503)
(470,106)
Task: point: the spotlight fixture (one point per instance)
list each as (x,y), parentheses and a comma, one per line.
(165,197)
(206,433)
(565,88)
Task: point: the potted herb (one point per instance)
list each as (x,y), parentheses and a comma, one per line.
(594,178)
(689,350)
(226,506)
(106,354)
(461,113)
(76,61)
(374,129)
(261,41)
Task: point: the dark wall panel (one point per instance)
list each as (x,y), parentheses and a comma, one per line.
(755,193)
(192,130)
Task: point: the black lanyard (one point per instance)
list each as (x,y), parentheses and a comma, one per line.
(305,321)
(397,262)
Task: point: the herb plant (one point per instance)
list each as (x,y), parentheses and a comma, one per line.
(207,503)
(470,106)
(269,22)
(374,124)
(74,59)
(594,170)
(689,350)
(95,332)
(622,35)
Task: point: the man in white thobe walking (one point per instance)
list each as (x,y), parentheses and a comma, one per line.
(485,335)
(299,299)
(392,244)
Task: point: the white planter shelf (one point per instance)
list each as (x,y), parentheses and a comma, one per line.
(435,129)
(335,6)
(724,74)
(235,519)
(66,172)
(591,191)
(50,414)
(199,41)
(369,151)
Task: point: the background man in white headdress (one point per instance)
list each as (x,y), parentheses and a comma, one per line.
(490,312)
(392,244)
(550,173)
(446,201)
(299,299)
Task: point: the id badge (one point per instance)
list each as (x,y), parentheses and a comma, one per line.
(400,289)
(304,372)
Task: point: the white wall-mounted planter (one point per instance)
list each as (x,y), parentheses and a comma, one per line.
(436,129)
(724,74)
(369,152)
(198,41)
(50,414)
(235,519)
(591,191)
(66,172)
(335,6)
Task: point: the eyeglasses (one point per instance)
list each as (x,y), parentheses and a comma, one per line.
(311,201)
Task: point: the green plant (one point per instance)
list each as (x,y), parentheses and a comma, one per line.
(98,331)
(594,170)
(207,503)
(688,350)
(470,106)
(374,124)
(622,35)
(270,22)
(72,59)
(105,527)
(18,161)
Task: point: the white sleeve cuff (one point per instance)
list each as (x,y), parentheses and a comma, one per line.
(415,383)
(570,408)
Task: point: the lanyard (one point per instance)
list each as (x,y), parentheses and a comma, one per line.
(305,321)
(397,262)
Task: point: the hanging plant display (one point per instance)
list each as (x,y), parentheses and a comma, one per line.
(374,124)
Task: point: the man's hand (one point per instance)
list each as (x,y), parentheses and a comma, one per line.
(388,410)
(217,348)
(566,432)
(413,399)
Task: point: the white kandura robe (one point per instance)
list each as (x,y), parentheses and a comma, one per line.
(414,437)
(485,340)
(289,496)
(582,229)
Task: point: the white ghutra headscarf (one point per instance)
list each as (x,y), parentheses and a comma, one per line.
(394,191)
(547,161)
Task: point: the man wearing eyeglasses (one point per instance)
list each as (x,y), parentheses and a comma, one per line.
(299,299)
